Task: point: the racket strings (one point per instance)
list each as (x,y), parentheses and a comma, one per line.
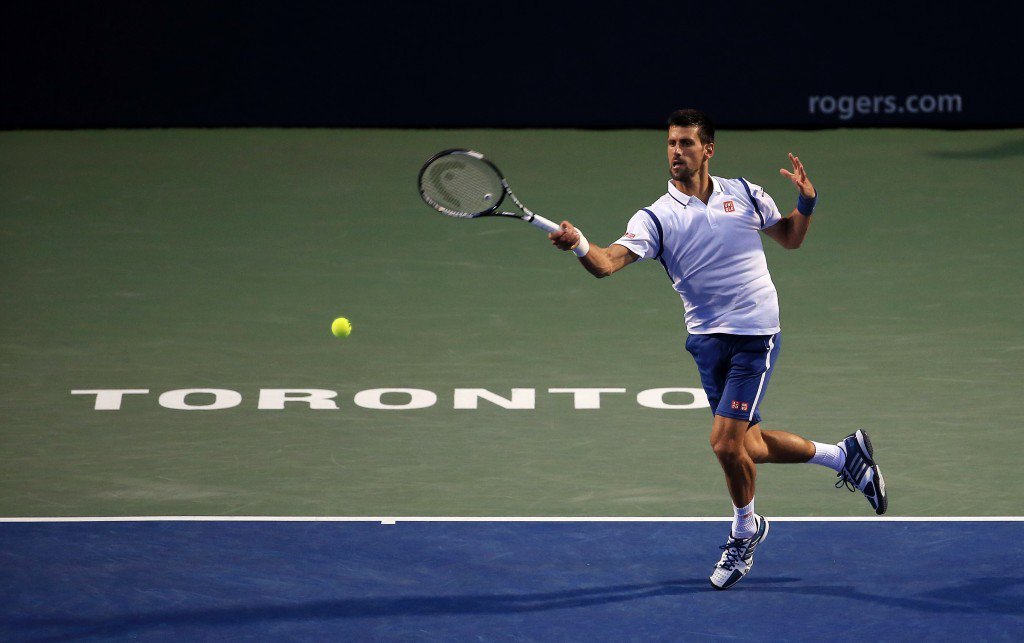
(461,185)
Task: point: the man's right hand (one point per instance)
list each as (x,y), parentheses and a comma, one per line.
(566,238)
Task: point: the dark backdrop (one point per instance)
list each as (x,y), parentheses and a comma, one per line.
(145,64)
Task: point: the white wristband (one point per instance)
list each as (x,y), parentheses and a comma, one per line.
(582,246)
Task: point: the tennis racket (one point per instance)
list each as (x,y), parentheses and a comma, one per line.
(464,184)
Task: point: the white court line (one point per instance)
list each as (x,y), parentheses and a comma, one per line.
(390,520)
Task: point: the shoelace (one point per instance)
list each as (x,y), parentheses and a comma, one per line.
(846,480)
(732,555)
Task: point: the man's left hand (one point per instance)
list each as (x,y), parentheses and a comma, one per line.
(799,177)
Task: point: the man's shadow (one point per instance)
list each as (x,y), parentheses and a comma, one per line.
(992,596)
(371,607)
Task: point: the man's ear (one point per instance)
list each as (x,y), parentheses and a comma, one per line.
(709,150)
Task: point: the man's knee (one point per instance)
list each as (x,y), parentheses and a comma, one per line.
(727,440)
(729,452)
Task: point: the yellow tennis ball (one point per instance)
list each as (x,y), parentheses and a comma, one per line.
(341,327)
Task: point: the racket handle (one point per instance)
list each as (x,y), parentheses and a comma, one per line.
(544,224)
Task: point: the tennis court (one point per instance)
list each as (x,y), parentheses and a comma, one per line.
(197,273)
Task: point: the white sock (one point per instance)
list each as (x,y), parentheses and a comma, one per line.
(743,523)
(828,455)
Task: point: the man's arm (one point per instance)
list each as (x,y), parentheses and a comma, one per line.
(790,231)
(600,262)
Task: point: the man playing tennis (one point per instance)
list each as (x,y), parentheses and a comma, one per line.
(704,231)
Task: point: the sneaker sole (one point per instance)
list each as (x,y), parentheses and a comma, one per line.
(883,504)
(865,443)
(767,526)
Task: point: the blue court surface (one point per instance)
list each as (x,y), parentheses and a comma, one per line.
(506,580)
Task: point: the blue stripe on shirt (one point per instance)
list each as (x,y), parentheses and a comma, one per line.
(661,242)
(757,208)
(661,233)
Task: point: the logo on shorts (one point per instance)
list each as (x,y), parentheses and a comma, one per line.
(729,206)
(629,235)
(740,406)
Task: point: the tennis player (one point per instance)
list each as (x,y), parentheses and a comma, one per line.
(705,232)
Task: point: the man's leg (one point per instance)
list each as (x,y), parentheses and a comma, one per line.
(739,447)
(777,446)
(859,471)
(729,442)
(734,372)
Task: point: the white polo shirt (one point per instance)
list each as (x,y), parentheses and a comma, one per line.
(713,255)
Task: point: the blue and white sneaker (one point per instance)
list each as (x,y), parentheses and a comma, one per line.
(738,557)
(860,473)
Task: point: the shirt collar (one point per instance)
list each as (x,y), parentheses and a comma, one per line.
(685,198)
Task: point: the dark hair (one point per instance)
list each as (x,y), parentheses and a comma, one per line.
(691,118)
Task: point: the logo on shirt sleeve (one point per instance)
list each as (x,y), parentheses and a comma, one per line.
(629,235)
(729,206)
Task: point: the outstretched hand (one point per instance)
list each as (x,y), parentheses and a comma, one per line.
(799,177)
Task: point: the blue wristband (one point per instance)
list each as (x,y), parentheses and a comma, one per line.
(804,205)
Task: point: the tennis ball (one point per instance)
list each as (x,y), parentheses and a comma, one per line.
(341,327)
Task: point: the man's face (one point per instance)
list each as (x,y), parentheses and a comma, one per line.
(686,154)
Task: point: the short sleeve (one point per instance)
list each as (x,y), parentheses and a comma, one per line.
(641,236)
(765,206)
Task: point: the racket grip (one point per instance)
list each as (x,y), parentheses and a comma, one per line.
(544,224)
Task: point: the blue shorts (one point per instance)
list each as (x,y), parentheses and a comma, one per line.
(734,370)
